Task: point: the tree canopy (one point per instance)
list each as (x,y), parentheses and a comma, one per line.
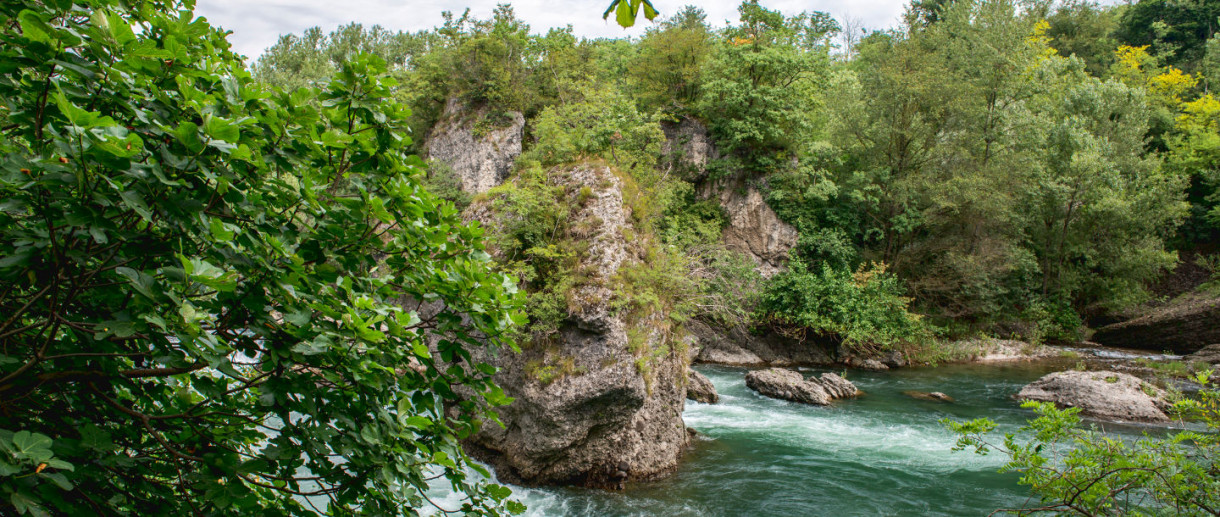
(221,297)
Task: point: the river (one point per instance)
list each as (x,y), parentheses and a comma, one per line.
(881,454)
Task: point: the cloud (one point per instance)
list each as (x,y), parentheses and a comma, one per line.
(257,24)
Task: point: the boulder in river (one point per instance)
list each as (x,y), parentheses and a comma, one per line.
(700,388)
(872,365)
(1103,395)
(935,396)
(782,383)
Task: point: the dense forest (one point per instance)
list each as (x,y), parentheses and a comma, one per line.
(1018,169)
(233,286)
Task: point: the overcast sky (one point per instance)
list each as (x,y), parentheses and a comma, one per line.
(256,24)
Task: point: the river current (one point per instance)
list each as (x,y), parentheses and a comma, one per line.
(883,453)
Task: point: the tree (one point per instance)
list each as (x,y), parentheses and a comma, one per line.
(211,288)
(1096,210)
(668,69)
(1081,471)
(757,93)
(1177,30)
(1084,29)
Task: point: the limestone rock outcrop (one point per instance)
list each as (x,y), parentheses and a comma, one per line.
(1103,395)
(688,148)
(700,389)
(1183,326)
(754,228)
(736,346)
(586,412)
(782,383)
(481,157)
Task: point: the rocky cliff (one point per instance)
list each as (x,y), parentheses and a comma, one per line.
(1184,325)
(754,228)
(480,152)
(601,401)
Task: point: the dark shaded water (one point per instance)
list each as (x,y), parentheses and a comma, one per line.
(881,454)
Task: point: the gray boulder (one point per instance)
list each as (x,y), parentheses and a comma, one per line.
(481,161)
(872,365)
(782,383)
(1103,395)
(700,388)
(925,395)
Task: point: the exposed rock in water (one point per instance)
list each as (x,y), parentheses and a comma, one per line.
(754,229)
(933,396)
(872,365)
(894,359)
(1103,395)
(1209,354)
(700,388)
(782,383)
(1183,326)
(837,387)
(736,346)
(481,161)
(585,413)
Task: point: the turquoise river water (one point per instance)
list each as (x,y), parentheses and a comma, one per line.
(881,454)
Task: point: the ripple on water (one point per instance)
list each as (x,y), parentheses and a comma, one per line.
(881,454)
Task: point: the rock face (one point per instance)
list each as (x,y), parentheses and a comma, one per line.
(1103,395)
(787,384)
(738,347)
(585,412)
(480,161)
(688,148)
(700,388)
(1184,326)
(754,229)
(1209,354)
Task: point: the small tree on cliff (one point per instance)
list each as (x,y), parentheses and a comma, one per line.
(201,282)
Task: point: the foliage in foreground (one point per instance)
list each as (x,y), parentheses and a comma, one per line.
(1085,472)
(205,282)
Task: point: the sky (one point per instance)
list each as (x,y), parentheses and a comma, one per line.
(257,24)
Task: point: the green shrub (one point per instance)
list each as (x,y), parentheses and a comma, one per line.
(865,310)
